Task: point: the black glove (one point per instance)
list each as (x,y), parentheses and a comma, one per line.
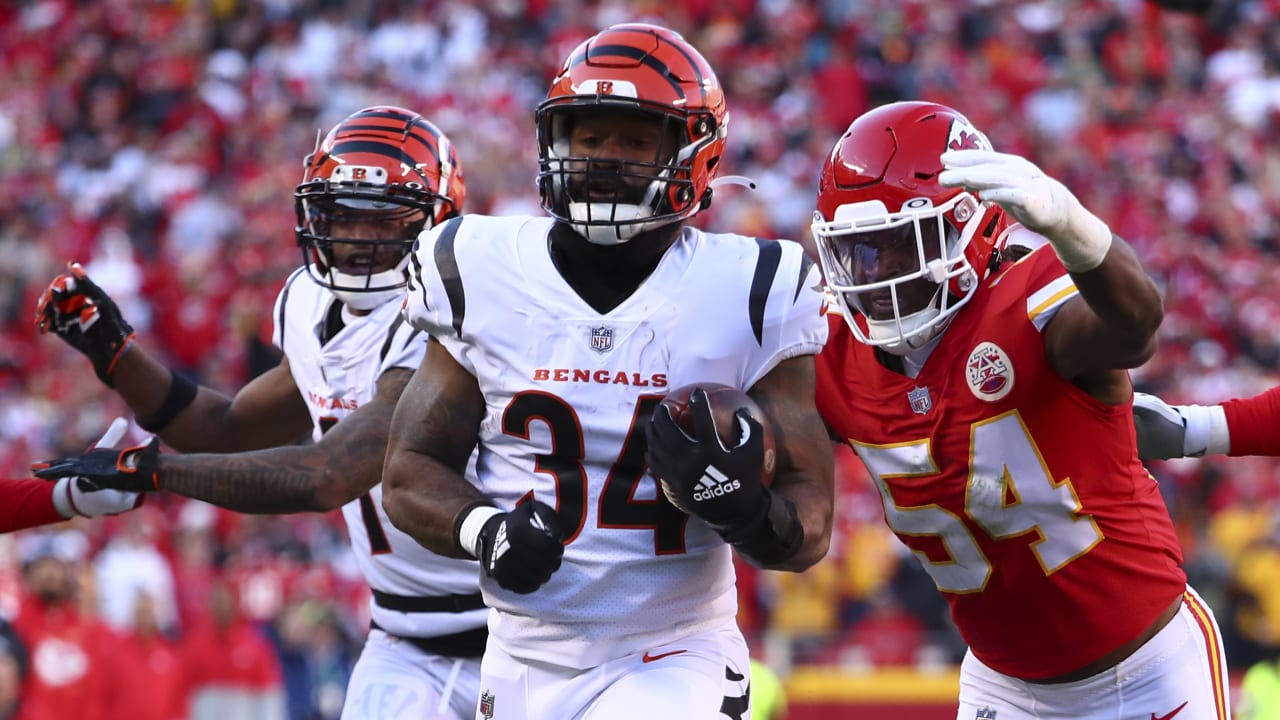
(75,309)
(132,469)
(699,474)
(522,548)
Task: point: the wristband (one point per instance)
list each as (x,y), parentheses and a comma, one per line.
(1083,242)
(466,531)
(62,498)
(1207,432)
(182,392)
(772,537)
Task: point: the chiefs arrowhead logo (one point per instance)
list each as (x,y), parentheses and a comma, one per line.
(964,136)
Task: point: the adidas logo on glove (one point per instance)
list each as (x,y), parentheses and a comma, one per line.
(715,484)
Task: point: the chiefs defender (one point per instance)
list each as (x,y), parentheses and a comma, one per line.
(991,402)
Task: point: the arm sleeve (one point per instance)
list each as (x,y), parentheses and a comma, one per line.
(1252,423)
(25,504)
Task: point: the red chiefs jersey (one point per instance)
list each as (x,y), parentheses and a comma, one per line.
(25,504)
(1251,423)
(1022,495)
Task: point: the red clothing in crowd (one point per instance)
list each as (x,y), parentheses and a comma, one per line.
(74,671)
(25,504)
(156,683)
(238,656)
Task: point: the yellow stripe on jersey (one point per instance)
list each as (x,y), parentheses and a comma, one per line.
(1213,648)
(1043,302)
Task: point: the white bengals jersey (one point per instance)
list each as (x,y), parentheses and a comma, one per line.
(336,359)
(568,392)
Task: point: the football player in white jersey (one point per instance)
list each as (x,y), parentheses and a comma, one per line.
(553,341)
(379,177)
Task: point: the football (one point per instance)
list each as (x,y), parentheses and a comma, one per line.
(725,401)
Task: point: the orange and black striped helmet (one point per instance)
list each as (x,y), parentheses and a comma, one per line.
(640,68)
(384,163)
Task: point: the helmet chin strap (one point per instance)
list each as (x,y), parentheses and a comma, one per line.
(392,279)
(625,217)
(366,300)
(913,330)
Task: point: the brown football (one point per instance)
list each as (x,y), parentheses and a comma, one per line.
(725,402)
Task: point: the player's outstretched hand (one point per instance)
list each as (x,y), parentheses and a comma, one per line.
(1161,428)
(76,496)
(1039,202)
(521,549)
(698,473)
(132,469)
(1174,431)
(1036,200)
(75,309)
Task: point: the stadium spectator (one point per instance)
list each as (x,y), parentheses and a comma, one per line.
(73,670)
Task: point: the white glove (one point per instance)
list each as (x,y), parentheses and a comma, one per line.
(1170,431)
(1039,202)
(75,496)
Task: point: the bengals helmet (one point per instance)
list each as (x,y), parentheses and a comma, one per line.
(900,252)
(644,69)
(383,164)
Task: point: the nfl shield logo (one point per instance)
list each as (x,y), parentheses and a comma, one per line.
(985,713)
(486,705)
(920,401)
(602,339)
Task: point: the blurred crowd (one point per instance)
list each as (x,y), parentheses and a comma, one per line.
(159,142)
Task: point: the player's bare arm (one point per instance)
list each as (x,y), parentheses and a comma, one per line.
(433,433)
(805,471)
(1109,327)
(343,465)
(269,411)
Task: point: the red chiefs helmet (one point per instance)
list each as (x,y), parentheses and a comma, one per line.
(636,68)
(381,163)
(901,253)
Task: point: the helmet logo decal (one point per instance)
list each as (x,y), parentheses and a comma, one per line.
(989,372)
(596,86)
(964,136)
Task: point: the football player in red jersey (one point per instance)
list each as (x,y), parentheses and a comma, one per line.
(990,401)
(1241,426)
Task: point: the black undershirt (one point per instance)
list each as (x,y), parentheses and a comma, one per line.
(605,275)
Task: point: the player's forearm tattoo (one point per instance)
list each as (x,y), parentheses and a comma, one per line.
(346,463)
(248,482)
